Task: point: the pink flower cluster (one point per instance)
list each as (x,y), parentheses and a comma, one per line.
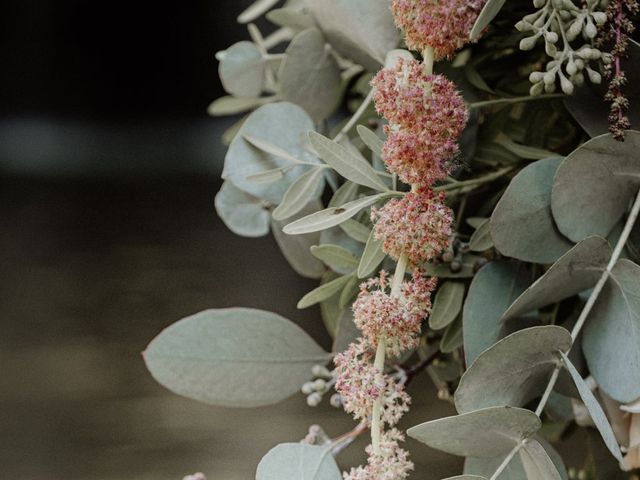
(360,384)
(397,319)
(417,225)
(392,463)
(426,115)
(444,25)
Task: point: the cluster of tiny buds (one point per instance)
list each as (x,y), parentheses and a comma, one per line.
(562,19)
(316,436)
(316,389)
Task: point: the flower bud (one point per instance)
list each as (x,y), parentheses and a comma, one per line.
(335,400)
(314,399)
(307,388)
(594,76)
(566,85)
(536,89)
(320,371)
(549,77)
(571,68)
(590,29)
(599,17)
(528,43)
(319,385)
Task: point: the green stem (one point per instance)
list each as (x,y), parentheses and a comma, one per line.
(355,117)
(506,101)
(474,181)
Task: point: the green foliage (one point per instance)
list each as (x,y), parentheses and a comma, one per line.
(446,305)
(235,357)
(289,461)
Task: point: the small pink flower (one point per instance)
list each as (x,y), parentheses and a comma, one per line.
(360,384)
(392,463)
(397,319)
(408,97)
(444,25)
(417,225)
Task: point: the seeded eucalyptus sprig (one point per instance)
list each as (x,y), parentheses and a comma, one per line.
(568,32)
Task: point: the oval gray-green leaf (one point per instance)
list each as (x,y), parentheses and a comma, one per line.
(292,18)
(324,291)
(310,76)
(346,333)
(235,357)
(612,334)
(335,257)
(514,371)
(332,216)
(488,13)
(522,226)
(484,433)
(481,239)
(536,463)
(281,124)
(355,230)
(372,257)
(594,185)
(446,305)
(595,410)
(367,40)
(578,270)
(298,461)
(305,188)
(493,289)
(452,338)
(232,105)
(295,249)
(242,213)
(242,70)
(342,160)
(515,470)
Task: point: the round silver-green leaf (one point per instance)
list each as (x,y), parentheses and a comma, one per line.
(242,70)
(298,461)
(242,213)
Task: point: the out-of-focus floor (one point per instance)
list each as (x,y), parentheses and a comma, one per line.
(89,273)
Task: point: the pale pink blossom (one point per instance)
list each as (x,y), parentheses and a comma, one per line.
(444,25)
(392,463)
(417,225)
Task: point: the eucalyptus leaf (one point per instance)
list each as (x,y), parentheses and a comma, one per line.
(452,339)
(242,70)
(348,292)
(296,248)
(515,470)
(475,222)
(291,18)
(514,371)
(346,163)
(359,232)
(488,13)
(446,305)
(481,239)
(337,236)
(370,139)
(522,226)
(578,270)
(242,213)
(595,184)
(324,291)
(347,331)
(332,216)
(536,463)
(310,76)
(595,410)
(522,151)
(484,433)
(280,124)
(493,289)
(235,357)
(298,461)
(611,336)
(329,310)
(466,477)
(347,192)
(256,10)
(271,149)
(372,257)
(304,189)
(365,40)
(233,105)
(335,257)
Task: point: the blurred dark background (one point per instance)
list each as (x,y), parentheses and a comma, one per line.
(108,170)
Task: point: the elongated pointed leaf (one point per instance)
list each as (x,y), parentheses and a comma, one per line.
(230,105)
(579,269)
(298,461)
(595,410)
(343,161)
(242,213)
(335,256)
(514,371)
(466,477)
(594,185)
(255,10)
(324,291)
(270,148)
(612,334)
(536,463)
(304,189)
(356,230)
(371,258)
(492,290)
(331,217)
(446,305)
(370,139)
(452,338)
(488,13)
(483,433)
(481,239)
(522,226)
(310,76)
(235,357)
